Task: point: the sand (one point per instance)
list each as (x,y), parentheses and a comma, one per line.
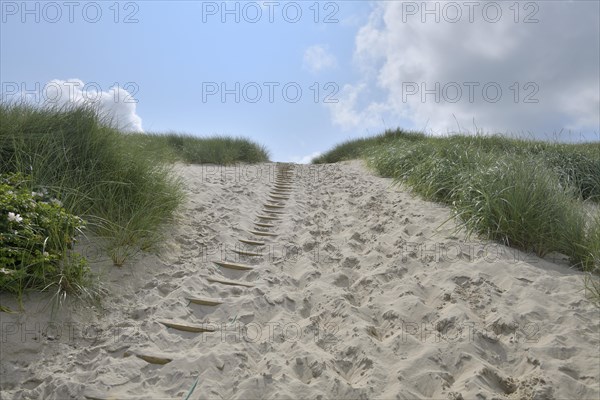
(365,292)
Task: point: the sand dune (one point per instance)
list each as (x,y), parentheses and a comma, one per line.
(357,291)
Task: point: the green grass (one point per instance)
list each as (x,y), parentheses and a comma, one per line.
(200,150)
(353,149)
(121,185)
(123,194)
(527,194)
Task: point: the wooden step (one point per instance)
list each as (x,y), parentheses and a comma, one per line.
(274,206)
(261,233)
(274,212)
(247,253)
(230,265)
(268,217)
(186,328)
(95,394)
(150,359)
(262,225)
(252,242)
(278,197)
(228,282)
(204,301)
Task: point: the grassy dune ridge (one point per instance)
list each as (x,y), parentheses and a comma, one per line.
(121,185)
(221,150)
(532,195)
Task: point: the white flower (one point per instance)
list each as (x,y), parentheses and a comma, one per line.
(6,271)
(56,202)
(14,217)
(46,254)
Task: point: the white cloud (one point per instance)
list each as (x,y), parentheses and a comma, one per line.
(317,58)
(116,103)
(398,54)
(305,159)
(348,112)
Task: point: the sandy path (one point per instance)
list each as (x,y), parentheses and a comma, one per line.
(360,295)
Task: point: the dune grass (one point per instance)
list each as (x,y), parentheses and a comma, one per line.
(121,185)
(528,194)
(355,148)
(122,194)
(220,150)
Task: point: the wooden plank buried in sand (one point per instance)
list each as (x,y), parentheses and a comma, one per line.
(274,212)
(268,217)
(248,253)
(273,206)
(252,242)
(150,359)
(229,265)
(263,225)
(229,282)
(278,197)
(95,394)
(261,233)
(186,328)
(204,301)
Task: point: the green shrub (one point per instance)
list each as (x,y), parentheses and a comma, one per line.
(124,194)
(36,237)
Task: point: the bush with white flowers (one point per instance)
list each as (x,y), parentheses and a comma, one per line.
(36,235)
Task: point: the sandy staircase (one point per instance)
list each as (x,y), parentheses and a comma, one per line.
(261,235)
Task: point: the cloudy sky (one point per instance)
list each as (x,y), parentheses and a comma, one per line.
(302,76)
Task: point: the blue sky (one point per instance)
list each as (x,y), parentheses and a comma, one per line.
(383,64)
